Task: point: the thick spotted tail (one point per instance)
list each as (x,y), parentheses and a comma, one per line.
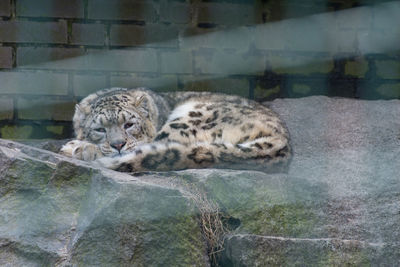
(176,156)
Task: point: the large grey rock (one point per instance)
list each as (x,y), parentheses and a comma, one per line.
(342,188)
(339,203)
(56,211)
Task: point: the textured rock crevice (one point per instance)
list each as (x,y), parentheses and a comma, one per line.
(281,251)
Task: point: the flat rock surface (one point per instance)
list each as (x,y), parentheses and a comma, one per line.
(338,204)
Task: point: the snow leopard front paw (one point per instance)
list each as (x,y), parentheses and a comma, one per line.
(107,162)
(115,163)
(81,150)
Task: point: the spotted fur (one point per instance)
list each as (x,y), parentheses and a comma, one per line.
(138,130)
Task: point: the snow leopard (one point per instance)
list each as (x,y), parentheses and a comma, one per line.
(136,130)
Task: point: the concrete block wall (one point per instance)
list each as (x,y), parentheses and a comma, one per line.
(55,52)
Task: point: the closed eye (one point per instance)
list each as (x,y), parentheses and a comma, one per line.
(128,125)
(100,130)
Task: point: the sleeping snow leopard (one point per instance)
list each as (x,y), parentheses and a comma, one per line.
(138,130)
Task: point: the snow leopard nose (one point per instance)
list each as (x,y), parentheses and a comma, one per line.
(118,145)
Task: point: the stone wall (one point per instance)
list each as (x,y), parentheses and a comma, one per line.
(54,52)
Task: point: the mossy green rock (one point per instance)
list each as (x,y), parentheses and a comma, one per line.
(59,212)
(253,250)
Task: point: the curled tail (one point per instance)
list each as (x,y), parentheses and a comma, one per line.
(176,156)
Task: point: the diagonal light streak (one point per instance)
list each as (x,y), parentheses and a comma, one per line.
(352,32)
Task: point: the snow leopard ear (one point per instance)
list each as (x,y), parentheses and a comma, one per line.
(140,100)
(80,112)
(141,104)
(78,120)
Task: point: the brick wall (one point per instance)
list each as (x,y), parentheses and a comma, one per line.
(54,52)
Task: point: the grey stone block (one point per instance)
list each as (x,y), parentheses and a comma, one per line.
(6,57)
(122,10)
(176,62)
(33,32)
(88,34)
(35,83)
(150,35)
(87,84)
(50,8)
(5,8)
